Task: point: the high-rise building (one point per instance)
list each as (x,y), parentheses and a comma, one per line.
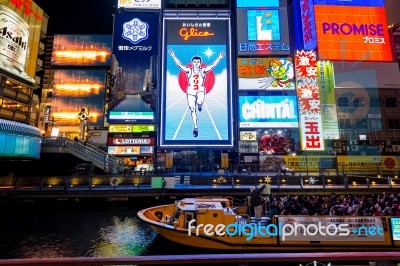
(23,29)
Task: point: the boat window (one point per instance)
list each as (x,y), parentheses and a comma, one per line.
(188,217)
(177,214)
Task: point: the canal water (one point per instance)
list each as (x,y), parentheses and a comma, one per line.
(85,228)
(81,228)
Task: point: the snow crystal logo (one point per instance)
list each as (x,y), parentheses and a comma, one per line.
(135,31)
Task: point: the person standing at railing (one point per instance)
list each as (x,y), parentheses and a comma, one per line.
(257,201)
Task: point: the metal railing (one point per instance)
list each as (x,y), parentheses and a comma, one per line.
(85,151)
(381,258)
(197,181)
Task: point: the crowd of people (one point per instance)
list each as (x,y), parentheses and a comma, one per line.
(333,204)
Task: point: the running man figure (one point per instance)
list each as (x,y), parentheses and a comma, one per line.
(195,91)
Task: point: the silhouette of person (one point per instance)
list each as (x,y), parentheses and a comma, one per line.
(195,90)
(257,201)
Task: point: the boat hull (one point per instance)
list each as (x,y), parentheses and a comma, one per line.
(182,236)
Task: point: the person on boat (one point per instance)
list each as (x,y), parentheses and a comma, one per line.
(257,201)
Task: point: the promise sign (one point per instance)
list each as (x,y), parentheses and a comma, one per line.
(352,33)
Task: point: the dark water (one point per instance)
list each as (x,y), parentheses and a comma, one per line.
(84,228)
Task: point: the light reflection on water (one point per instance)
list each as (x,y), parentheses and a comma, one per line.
(30,233)
(122,238)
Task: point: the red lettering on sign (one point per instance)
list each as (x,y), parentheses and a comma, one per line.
(192,32)
(26,6)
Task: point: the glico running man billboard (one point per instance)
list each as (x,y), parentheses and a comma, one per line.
(196,97)
(134,68)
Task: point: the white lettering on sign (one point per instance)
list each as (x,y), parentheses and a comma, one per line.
(131,141)
(261,109)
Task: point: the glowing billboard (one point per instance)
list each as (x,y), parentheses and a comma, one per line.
(262,31)
(309,101)
(268,111)
(352,33)
(326,87)
(76,89)
(131,141)
(196,96)
(308,24)
(350,2)
(19,39)
(135,46)
(141,4)
(137,128)
(81,50)
(265,73)
(258,3)
(277,141)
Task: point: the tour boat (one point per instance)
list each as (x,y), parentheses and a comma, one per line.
(215,223)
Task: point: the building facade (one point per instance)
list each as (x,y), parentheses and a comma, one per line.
(23,29)
(200,83)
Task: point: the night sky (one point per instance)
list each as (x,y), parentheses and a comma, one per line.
(78,16)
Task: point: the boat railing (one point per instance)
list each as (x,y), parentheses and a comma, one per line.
(243,219)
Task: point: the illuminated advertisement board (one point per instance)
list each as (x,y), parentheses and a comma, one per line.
(19,41)
(135,46)
(265,73)
(268,111)
(131,141)
(248,146)
(308,24)
(130,150)
(76,89)
(248,135)
(196,97)
(258,3)
(81,50)
(352,33)
(138,128)
(141,4)
(309,101)
(326,85)
(277,141)
(395,225)
(350,2)
(262,31)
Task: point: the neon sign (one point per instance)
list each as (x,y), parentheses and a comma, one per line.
(347,28)
(308,24)
(268,111)
(193,32)
(352,33)
(309,101)
(26,5)
(262,31)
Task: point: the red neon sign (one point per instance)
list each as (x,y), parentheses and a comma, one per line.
(193,32)
(26,5)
